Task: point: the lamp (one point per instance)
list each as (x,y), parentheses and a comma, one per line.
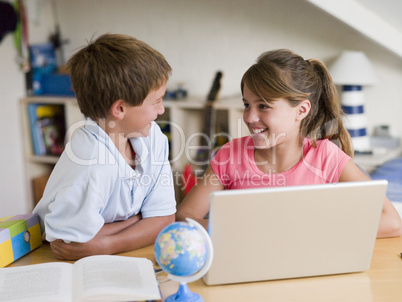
(352,70)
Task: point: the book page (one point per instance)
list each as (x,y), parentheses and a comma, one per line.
(36,283)
(113,278)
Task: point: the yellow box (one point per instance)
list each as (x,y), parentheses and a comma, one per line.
(19,235)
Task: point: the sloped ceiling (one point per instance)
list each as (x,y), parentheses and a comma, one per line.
(378,20)
(389,10)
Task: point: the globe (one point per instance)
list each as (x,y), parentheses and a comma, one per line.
(184,251)
(181,250)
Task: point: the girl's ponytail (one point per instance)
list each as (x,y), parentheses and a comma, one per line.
(327,120)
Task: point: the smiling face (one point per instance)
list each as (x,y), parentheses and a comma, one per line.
(270,124)
(137,120)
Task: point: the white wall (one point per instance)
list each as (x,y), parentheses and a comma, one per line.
(12,190)
(198,38)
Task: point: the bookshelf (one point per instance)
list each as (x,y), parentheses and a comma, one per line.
(184,117)
(38,167)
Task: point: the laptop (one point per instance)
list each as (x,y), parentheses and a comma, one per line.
(295,231)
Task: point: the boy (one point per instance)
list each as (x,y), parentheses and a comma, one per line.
(112,188)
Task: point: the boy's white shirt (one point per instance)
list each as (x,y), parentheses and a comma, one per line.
(92,184)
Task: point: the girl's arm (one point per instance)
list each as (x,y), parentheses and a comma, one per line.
(196,203)
(390,222)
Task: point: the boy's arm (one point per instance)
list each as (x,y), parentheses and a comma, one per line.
(390,221)
(118,226)
(138,234)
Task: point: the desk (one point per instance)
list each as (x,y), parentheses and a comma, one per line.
(382,282)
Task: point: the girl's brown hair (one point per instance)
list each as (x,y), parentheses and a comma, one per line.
(283,74)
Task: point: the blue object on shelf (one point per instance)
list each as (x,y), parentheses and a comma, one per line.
(45,78)
(43,62)
(57,84)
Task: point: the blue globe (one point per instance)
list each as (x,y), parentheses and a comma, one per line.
(181,249)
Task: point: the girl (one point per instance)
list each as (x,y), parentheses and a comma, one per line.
(297,137)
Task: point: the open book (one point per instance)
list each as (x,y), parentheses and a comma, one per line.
(94,278)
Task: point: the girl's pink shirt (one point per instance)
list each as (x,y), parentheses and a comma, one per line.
(235,167)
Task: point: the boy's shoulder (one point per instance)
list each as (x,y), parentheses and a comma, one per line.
(86,140)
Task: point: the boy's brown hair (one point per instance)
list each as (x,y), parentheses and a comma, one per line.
(115,67)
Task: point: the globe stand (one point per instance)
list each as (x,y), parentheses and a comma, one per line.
(184,294)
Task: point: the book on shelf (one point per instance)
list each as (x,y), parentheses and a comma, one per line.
(47,124)
(38,149)
(93,278)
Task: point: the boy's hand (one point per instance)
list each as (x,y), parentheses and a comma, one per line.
(76,250)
